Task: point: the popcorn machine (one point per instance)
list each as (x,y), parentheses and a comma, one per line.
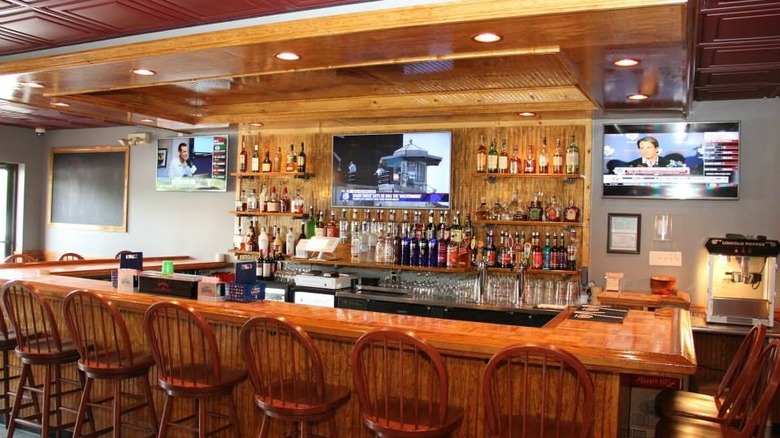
(741,283)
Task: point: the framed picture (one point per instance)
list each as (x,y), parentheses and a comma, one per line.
(623,233)
(162,158)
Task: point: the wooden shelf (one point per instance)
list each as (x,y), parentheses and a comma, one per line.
(302,175)
(538,223)
(373,265)
(537,271)
(265,213)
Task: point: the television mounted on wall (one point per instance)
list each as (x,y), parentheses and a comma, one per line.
(192,164)
(671,160)
(395,170)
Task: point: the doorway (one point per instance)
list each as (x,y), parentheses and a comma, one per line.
(8,183)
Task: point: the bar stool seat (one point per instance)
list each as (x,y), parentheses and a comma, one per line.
(39,344)
(189,366)
(671,403)
(106,354)
(286,370)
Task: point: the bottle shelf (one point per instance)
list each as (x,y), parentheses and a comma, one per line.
(265,213)
(492,177)
(536,271)
(301,175)
(374,265)
(537,223)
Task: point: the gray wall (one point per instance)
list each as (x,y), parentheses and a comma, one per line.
(198,223)
(21,146)
(756,212)
(158,223)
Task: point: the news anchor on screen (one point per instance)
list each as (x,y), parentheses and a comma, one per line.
(182,165)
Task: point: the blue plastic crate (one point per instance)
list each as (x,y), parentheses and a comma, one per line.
(246,292)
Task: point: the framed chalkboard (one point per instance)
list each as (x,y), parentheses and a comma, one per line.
(88,187)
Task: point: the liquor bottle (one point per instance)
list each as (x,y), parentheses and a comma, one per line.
(553,252)
(430,229)
(379,250)
(514,162)
(267,261)
(544,159)
(262,240)
(303,230)
(242,156)
(546,249)
(262,198)
(237,237)
(355,246)
(456,231)
(332,228)
(389,256)
(572,158)
(537,259)
(277,163)
(529,165)
(373,238)
(241,201)
(284,201)
(452,254)
(289,243)
(553,212)
(354,224)
(301,161)
(444,243)
(424,259)
(406,247)
(273,205)
(433,246)
(517,251)
(514,206)
(266,164)
(418,226)
(492,159)
(391,228)
(491,254)
(397,253)
(311,223)
(251,237)
(259,267)
(527,248)
(256,159)
(468,232)
(571,252)
(291,165)
(503,158)
(343,227)
(557,159)
(481,155)
(251,201)
(571,213)
(562,252)
(319,226)
(414,259)
(277,245)
(505,252)
(483,211)
(535,210)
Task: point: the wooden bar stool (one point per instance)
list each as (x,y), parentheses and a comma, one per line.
(537,390)
(106,353)
(748,415)
(185,350)
(39,345)
(9,372)
(670,403)
(286,370)
(19,258)
(403,386)
(71,256)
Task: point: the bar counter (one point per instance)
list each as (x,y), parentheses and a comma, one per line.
(647,343)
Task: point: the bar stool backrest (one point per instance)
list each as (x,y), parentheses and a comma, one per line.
(19,258)
(5,333)
(98,330)
(284,364)
(525,383)
(71,256)
(401,380)
(183,345)
(750,411)
(32,318)
(743,360)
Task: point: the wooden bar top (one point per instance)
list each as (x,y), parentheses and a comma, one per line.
(645,343)
(103,267)
(645,299)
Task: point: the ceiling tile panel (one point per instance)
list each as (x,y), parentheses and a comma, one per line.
(119,16)
(46,27)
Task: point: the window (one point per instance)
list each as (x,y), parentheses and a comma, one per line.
(7,208)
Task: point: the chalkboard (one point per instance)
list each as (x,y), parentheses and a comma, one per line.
(88,188)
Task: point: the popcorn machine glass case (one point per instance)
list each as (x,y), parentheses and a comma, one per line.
(741,285)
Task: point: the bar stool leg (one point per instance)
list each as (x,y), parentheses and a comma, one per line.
(117,423)
(85,399)
(18,399)
(264,426)
(200,406)
(234,415)
(46,402)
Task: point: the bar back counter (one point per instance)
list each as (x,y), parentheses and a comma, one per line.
(644,343)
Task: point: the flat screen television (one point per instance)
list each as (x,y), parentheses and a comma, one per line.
(409,170)
(196,163)
(671,160)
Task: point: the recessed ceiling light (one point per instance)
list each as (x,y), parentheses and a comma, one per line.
(144,72)
(626,62)
(637,96)
(146,120)
(487,37)
(61,104)
(31,84)
(287,56)
(527,114)
(256,124)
